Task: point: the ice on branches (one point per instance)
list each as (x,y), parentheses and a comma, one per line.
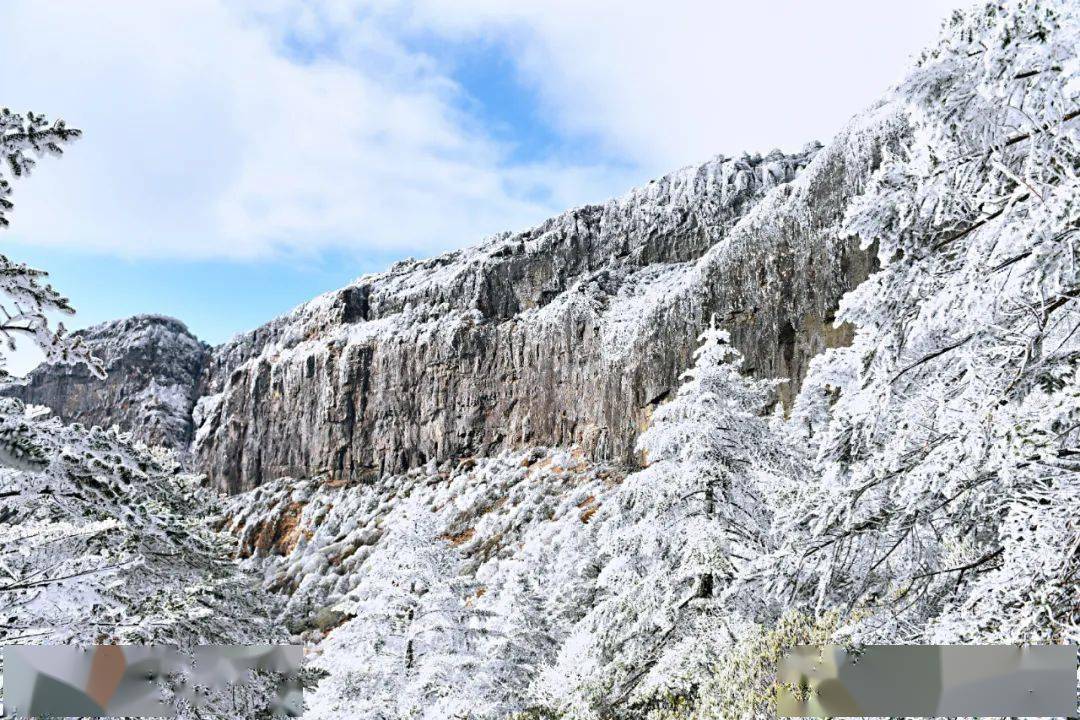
(24,301)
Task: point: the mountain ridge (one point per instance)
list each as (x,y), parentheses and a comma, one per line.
(154,364)
(527,321)
(549,478)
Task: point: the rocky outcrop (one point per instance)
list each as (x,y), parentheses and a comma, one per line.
(153,365)
(569,333)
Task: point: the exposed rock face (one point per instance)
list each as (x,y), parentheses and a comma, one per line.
(569,333)
(153,366)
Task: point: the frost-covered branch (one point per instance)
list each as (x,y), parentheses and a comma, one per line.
(25,302)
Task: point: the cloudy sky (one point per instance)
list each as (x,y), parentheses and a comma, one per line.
(241,156)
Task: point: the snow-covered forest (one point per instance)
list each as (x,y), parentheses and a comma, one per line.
(921,486)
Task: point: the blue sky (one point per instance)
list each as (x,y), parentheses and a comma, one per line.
(215,297)
(242,156)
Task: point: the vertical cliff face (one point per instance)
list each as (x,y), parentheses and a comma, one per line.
(153,366)
(569,333)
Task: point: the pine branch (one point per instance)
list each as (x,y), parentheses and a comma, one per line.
(1041,129)
(963,568)
(931,356)
(50,581)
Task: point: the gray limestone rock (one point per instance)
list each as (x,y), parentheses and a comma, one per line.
(568,333)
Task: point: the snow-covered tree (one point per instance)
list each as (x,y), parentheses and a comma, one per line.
(724,462)
(947,476)
(105,541)
(23,140)
(415,643)
(682,537)
(521,640)
(25,301)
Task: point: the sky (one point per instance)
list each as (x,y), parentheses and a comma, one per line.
(242,156)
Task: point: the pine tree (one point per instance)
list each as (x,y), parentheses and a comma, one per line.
(946,467)
(414,645)
(26,301)
(521,641)
(683,536)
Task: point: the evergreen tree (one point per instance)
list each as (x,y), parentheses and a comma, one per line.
(521,641)
(946,455)
(26,301)
(414,646)
(683,536)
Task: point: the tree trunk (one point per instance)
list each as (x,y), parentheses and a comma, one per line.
(705,582)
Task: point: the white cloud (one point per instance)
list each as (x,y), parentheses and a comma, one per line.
(205,138)
(669,83)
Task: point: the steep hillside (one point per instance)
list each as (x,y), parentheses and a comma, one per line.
(548,478)
(922,488)
(310,538)
(569,333)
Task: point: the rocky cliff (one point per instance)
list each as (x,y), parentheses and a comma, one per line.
(154,364)
(569,333)
(565,334)
(445,504)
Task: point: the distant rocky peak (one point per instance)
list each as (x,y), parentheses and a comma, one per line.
(154,364)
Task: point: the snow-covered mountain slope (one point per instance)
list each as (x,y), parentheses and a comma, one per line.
(153,363)
(518,519)
(922,488)
(311,538)
(569,333)
(503,483)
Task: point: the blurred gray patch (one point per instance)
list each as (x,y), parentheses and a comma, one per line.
(928,681)
(142,680)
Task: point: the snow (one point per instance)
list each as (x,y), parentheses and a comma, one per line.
(127,529)
(924,487)
(105,542)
